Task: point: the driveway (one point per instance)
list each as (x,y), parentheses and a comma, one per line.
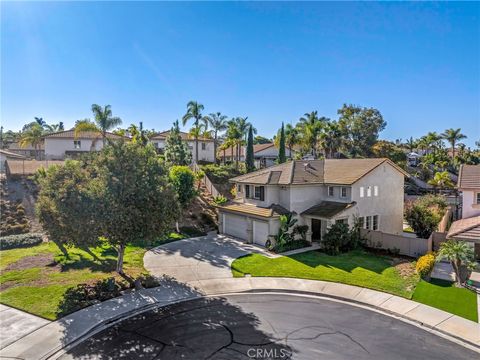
(201,258)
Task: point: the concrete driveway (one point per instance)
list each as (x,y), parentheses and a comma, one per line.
(201,258)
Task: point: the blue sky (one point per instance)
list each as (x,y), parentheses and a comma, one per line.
(418,63)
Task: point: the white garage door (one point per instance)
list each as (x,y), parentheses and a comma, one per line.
(260,232)
(235,225)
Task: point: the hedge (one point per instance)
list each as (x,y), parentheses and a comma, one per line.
(20,240)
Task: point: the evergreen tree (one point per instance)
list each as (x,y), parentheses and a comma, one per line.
(249,161)
(176,150)
(281,151)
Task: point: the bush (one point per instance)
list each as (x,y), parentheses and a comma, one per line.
(300,230)
(425,265)
(290,245)
(339,238)
(220,174)
(219,200)
(425,213)
(20,241)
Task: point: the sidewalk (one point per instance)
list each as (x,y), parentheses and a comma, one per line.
(51,338)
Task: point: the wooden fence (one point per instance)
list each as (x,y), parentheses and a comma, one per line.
(409,246)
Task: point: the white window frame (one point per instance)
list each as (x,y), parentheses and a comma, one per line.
(362,191)
(204,146)
(342,220)
(333,191)
(375,190)
(368,222)
(255,192)
(341,192)
(369,191)
(77,144)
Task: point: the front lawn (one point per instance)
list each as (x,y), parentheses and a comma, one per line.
(358,268)
(445,296)
(35,279)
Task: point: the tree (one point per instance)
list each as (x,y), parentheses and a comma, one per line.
(441,180)
(33,135)
(425,213)
(176,150)
(310,127)
(218,123)
(360,127)
(388,149)
(281,150)
(121,195)
(332,139)
(453,136)
(411,144)
(234,138)
(261,140)
(137,134)
(194,111)
(183,182)
(460,255)
(249,160)
(103,122)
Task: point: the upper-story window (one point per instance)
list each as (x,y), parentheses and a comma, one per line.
(478,198)
(375,190)
(77,144)
(204,146)
(369,191)
(330,191)
(259,193)
(362,191)
(343,192)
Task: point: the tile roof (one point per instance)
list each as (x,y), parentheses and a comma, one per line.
(11,154)
(28,167)
(469,177)
(329,171)
(328,209)
(465,229)
(272,211)
(70,134)
(185,136)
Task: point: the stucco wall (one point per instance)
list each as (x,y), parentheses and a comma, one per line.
(203,155)
(469,208)
(55,148)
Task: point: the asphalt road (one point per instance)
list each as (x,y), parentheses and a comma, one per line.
(266,326)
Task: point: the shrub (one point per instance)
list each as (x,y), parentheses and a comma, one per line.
(425,265)
(339,238)
(291,245)
(425,213)
(300,230)
(219,200)
(19,241)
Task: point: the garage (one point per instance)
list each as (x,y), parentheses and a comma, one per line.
(260,232)
(235,225)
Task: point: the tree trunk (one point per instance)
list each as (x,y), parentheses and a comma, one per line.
(177,226)
(224,156)
(215,149)
(456,269)
(62,248)
(231,157)
(120,251)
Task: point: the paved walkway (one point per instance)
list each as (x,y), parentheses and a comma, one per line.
(15,324)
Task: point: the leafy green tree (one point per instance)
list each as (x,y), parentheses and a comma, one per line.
(103,122)
(291,138)
(249,160)
(261,140)
(281,150)
(234,138)
(194,111)
(388,149)
(218,122)
(33,135)
(425,213)
(411,144)
(182,179)
(332,139)
(176,150)
(453,136)
(460,255)
(360,127)
(441,180)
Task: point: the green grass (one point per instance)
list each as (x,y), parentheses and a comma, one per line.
(354,268)
(445,296)
(40,289)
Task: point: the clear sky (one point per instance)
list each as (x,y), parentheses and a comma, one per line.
(418,63)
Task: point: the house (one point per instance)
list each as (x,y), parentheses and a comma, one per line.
(469,185)
(319,193)
(64,144)
(7,155)
(264,155)
(467,230)
(206,151)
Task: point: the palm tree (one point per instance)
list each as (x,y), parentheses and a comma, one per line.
(460,254)
(332,139)
(310,127)
(291,137)
(104,121)
(218,123)
(411,144)
(33,135)
(433,140)
(194,111)
(441,180)
(234,138)
(453,136)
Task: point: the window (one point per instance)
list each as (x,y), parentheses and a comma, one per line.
(369,191)
(204,146)
(361,222)
(330,191)
(343,192)
(239,188)
(247,191)
(368,222)
(77,144)
(341,221)
(259,193)
(362,193)
(375,190)
(375,222)
(478,198)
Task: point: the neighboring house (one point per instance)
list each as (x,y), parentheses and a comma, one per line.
(467,230)
(7,155)
(64,144)
(469,185)
(28,151)
(264,155)
(206,151)
(413,159)
(319,193)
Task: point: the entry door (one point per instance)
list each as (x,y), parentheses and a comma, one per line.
(316,229)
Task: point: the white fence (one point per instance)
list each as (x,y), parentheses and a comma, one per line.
(409,246)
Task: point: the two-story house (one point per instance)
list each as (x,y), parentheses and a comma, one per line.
(468,227)
(206,151)
(264,155)
(319,193)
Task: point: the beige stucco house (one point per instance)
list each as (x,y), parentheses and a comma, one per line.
(206,151)
(319,193)
(264,155)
